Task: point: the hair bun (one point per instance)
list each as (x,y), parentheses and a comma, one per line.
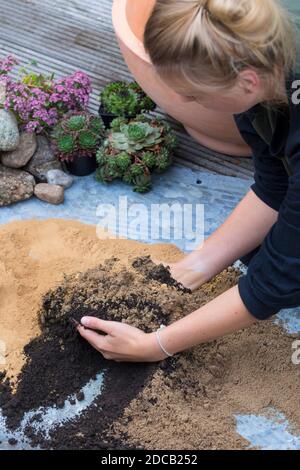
(208,42)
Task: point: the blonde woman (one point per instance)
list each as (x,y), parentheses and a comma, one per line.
(239,57)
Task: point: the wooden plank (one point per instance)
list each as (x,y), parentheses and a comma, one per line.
(67,35)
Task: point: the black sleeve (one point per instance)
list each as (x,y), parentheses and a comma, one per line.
(273,279)
(271,179)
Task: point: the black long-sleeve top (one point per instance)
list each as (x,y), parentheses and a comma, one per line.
(273,278)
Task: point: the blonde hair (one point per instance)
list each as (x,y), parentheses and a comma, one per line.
(205,44)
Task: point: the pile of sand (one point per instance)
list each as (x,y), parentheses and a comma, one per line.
(35,256)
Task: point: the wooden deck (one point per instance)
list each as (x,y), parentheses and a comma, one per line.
(66,35)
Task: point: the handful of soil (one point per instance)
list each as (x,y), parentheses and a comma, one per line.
(145,296)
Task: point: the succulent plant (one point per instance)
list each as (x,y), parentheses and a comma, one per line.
(125,99)
(136,136)
(77,134)
(133,149)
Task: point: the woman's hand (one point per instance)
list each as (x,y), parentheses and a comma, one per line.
(120,342)
(190,271)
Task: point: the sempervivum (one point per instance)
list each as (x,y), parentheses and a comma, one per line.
(134,149)
(78,134)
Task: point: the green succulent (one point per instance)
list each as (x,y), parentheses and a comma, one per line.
(137,169)
(77,134)
(105,174)
(125,99)
(96,124)
(117,123)
(142,183)
(163,160)
(139,178)
(87,140)
(108,172)
(76,123)
(123,161)
(171,140)
(136,136)
(101,155)
(133,149)
(149,159)
(66,144)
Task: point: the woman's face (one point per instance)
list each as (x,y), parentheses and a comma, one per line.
(225,102)
(246,93)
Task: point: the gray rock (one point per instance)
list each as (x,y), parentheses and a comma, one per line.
(2,93)
(51,193)
(9,132)
(60,178)
(25,151)
(43,160)
(15,186)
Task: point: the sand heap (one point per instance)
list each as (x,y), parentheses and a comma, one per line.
(34,258)
(185,402)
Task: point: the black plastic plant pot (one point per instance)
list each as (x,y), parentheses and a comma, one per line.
(82,166)
(108,118)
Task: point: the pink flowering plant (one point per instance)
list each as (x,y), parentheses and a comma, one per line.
(39,101)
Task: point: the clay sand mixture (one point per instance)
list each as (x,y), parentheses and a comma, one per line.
(54,270)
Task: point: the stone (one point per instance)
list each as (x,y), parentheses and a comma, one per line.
(9,132)
(25,151)
(15,186)
(2,93)
(51,193)
(60,178)
(80,396)
(43,160)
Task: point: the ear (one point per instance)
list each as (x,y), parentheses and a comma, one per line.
(249,81)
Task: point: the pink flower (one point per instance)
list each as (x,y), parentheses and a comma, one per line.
(40,108)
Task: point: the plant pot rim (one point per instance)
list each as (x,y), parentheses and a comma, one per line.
(125,33)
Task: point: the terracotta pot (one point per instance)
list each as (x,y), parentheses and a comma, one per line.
(216,131)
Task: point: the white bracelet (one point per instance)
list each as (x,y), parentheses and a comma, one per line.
(160,343)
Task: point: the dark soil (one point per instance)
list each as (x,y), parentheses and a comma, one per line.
(157,272)
(59,362)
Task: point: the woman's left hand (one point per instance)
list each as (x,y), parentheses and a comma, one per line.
(120,342)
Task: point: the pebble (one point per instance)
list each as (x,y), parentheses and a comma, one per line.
(23,153)
(59,178)
(80,396)
(43,160)
(51,193)
(9,132)
(12,441)
(2,93)
(15,186)
(60,403)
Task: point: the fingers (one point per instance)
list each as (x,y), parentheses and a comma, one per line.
(96,340)
(97,324)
